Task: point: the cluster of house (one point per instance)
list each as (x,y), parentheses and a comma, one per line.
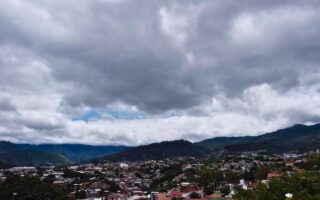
(134,180)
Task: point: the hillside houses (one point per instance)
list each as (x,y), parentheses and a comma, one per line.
(214,177)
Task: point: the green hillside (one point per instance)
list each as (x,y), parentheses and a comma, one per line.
(158,151)
(220,142)
(296,138)
(74,152)
(11,155)
(32,158)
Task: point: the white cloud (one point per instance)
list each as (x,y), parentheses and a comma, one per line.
(214,67)
(260,109)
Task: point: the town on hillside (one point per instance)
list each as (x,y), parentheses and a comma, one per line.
(220,176)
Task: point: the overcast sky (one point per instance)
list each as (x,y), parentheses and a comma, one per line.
(139,71)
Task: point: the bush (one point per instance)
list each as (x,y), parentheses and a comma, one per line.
(303,186)
(195,195)
(30,188)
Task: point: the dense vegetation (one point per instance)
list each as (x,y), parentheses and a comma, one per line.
(33,155)
(296,138)
(4,165)
(159,151)
(164,182)
(303,186)
(74,152)
(29,188)
(221,142)
(32,158)
(12,155)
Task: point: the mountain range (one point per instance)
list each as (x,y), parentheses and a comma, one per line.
(298,138)
(156,151)
(44,154)
(74,152)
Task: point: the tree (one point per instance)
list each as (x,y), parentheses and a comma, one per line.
(225,190)
(232,177)
(303,186)
(49,179)
(195,195)
(204,176)
(313,162)
(207,176)
(30,188)
(113,187)
(261,173)
(208,189)
(80,194)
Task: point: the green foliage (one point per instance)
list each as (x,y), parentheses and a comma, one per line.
(82,177)
(190,175)
(49,179)
(4,165)
(261,172)
(296,138)
(74,152)
(30,188)
(313,162)
(245,195)
(232,177)
(208,189)
(204,176)
(225,190)
(157,151)
(80,194)
(195,195)
(221,142)
(32,158)
(165,181)
(29,154)
(248,175)
(303,186)
(207,176)
(113,187)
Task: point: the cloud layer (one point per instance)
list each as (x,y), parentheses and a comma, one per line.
(156,70)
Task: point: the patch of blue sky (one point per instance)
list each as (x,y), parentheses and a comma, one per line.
(126,115)
(171,114)
(119,114)
(90,115)
(94,115)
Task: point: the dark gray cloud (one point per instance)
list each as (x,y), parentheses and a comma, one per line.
(6,105)
(164,55)
(59,59)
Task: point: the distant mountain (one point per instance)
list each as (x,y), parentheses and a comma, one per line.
(7,146)
(74,152)
(158,151)
(33,155)
(11,155)
(296,138)
(221,142)
(32,158)
(4,165)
